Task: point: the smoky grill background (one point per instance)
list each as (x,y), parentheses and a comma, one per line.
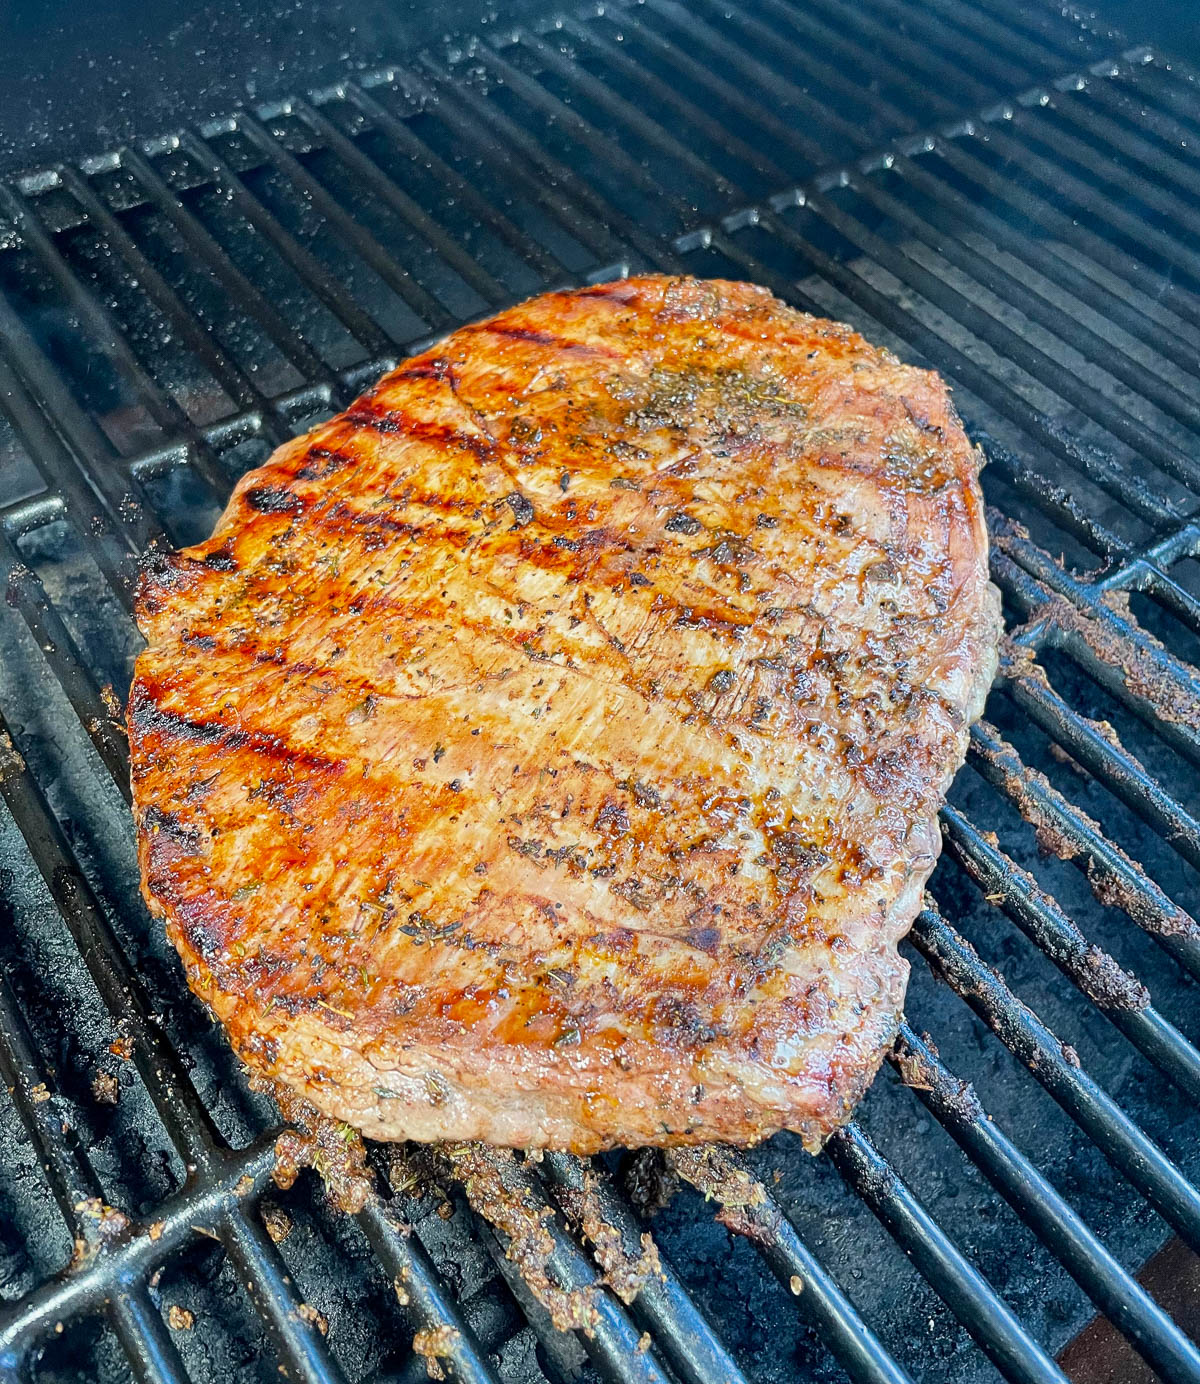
(1010,196)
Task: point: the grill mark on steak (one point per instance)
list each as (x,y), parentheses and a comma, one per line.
(721,786)
(621,291)
(515,331)
(377,528)
(151,721)
(322,462)
(393,422)
(274,499)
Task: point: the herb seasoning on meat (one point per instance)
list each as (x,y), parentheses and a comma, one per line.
(548,749)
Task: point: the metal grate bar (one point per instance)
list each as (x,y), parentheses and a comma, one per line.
(949,88)
(1097,350)
(1051,499)
(1180,602)
(138,1326)
(662,1304)
(26,595)
(1115,1292)
(1042,210)
(31,404)
(22,517)
(1141,112)
(758,74)
(972,214)
(236,383)
(481,125)
(828,1310)
(360,324)
(1097,466)
(1125,1146)
(616,58)
(1168,168)
(775,130)
(300,1346)
(133,1258)
(962,1287)
(1070,834)
(71,1178)
(950,43)
(148,1346)
(1183,542)
(1026,46)
(1038,158)
(1151,188)
(202,246)
(610,1338)
(180,1109)
(165,412)
(352,232)
(606,149)
(630,115)
(834,34)
(1117,994)
(422,1295)
(1156,686)
(78,501)
(1085,741)
(465,265)
(818,1298)
(799,57)
(400,135)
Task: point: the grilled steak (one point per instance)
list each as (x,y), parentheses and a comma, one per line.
(547,750)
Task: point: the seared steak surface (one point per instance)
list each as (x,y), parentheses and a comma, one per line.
(547,750)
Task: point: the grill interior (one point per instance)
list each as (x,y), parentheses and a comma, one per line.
(1013,200)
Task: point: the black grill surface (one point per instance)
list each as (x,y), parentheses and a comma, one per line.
(1013,200)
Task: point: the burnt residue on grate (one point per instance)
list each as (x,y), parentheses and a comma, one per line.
(996,192)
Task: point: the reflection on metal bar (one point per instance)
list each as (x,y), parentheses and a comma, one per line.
(1115,1292)
(959,1284)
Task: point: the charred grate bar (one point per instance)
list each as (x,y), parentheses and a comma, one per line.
(169,313)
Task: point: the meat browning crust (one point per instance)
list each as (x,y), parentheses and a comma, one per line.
(547,750)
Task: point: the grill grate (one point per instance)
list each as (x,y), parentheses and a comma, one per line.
(169,313)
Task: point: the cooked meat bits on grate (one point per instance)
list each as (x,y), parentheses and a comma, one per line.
(548,749)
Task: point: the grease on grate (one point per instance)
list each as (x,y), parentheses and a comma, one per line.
(496,1190)
(333,1149)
